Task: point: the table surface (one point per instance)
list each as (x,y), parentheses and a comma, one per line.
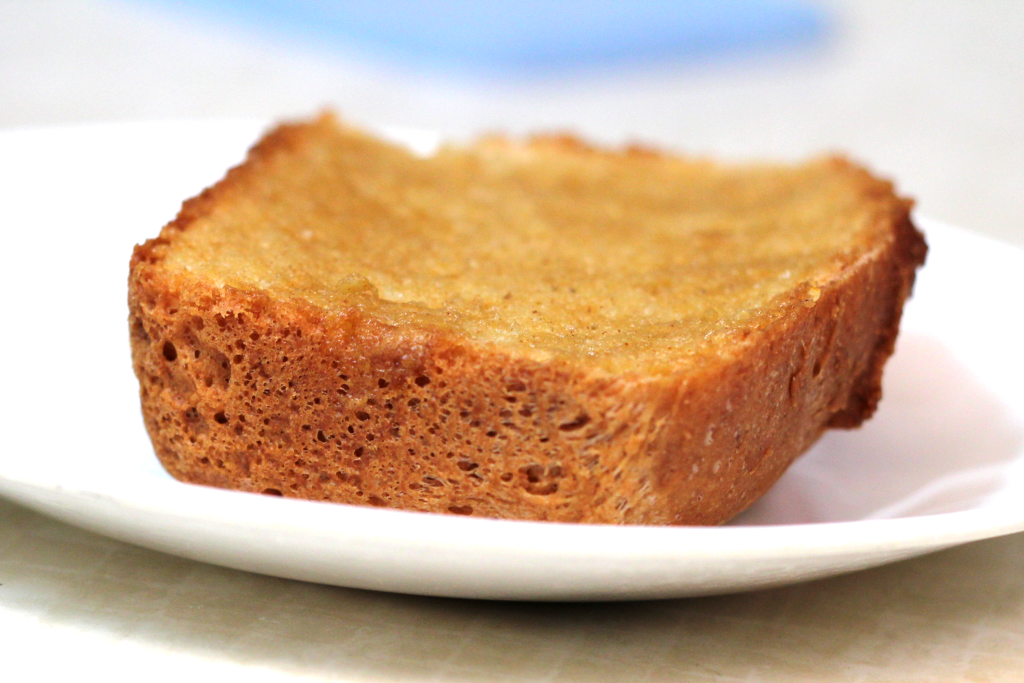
(925,92)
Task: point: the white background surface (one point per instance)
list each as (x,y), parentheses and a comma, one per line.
(926,92)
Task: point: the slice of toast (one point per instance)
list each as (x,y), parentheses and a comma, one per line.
(532,330)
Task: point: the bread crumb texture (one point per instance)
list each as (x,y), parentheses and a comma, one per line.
(531,330)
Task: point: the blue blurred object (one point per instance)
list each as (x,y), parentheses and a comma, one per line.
(527,36)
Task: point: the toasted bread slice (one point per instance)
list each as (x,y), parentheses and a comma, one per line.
(533,330)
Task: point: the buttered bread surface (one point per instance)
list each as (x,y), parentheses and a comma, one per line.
(631,260)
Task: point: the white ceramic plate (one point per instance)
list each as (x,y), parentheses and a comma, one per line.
(942,463)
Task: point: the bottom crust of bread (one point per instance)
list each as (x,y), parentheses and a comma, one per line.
(246,393)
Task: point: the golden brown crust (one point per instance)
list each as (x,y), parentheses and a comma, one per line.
(279,140)
(242,391)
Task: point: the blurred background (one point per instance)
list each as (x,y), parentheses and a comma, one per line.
(927,92)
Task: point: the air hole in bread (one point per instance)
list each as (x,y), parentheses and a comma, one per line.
(533,473)
(580,422)
(138,331)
